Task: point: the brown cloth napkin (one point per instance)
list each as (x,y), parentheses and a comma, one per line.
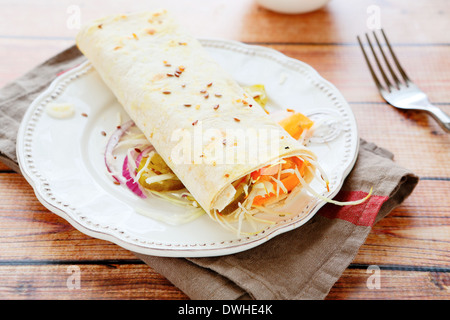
(300,264)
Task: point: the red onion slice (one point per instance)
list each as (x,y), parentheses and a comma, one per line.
(112,143)
(143,153)
(133,186)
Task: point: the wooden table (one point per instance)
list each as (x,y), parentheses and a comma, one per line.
(411,246)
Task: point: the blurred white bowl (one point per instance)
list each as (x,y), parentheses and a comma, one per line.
(292,6)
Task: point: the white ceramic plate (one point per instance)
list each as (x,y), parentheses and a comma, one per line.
(63,158)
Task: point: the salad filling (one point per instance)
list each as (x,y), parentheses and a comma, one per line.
(146,173)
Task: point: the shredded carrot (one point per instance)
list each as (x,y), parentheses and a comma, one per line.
(289,180)
(294,125)
(260,200)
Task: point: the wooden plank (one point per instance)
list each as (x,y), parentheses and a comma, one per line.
(85,282)
(28,231)
(21,56)
(416,140)
(419,143)
(356,284)
(416,233)
(58,282)
(4,167)
(344,66)
(242,20)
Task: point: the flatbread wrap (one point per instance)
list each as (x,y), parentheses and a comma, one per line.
(212,135)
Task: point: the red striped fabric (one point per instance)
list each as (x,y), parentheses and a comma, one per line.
(64,71)
(363,214)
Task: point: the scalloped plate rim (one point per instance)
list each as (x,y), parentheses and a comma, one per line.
(180,250)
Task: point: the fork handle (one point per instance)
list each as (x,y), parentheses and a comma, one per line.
(440,116)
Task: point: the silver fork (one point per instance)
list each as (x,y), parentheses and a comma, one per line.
(401,94)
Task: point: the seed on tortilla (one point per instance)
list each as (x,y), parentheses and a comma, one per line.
(166,92)
(187,105)
(209,84)
(169,74)
(226,175)
(203,91)
(195,122)
(206,96)
(237,120)
(100,26)
(103,133)
(179,71)
(216,107)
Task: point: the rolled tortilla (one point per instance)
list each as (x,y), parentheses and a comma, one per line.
(187,106)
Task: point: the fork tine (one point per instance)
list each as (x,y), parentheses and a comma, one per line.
(394,76)
(386,80)
(400,69)
(374,76)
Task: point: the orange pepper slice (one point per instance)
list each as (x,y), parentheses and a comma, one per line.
(295,124)
(290,182)
(260,200)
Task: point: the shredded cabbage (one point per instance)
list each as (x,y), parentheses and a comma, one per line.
(128,143)
(271,211)
(160,177)
(317,195)
(279,185)
(144,168)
